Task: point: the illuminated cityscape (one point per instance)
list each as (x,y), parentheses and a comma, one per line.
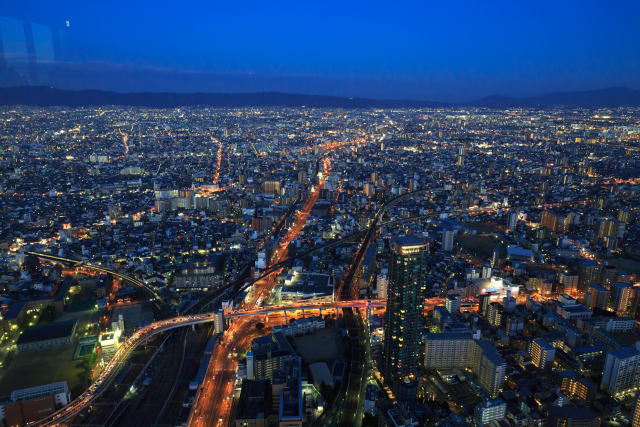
(322,214)
(343,267)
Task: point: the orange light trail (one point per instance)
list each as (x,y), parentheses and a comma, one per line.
(212,406)
(219,162)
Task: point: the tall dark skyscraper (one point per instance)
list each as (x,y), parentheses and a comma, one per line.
(404,320)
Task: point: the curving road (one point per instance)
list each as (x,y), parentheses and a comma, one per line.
(110,371)
(152,291)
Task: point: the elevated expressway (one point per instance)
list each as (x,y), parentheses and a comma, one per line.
(124,277)
(142,335)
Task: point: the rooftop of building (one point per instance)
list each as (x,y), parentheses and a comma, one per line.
(490,352)
(588,262)
(621,284)
(47,332)
(58,387)
(490,403)
(575,308)
(543,344)
(304,283)
(405,242)
(572,412)
(27,411)
(255,399)
(598,287)
(275,344)
(433,336)
(624,352)
(518,251)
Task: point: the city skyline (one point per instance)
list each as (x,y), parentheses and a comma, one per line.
(346,214)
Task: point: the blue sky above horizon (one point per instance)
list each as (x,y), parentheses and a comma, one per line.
(448,51)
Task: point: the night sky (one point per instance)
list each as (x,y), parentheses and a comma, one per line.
(449,50)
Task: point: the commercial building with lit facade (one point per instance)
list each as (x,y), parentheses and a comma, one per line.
(497,287)
(298,285)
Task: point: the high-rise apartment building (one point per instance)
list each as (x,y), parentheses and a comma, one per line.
(569,282)
(635,416)
(620,297)
(218,322)
(542,354)
(608,227)
(404,319)
(495,257)
(494,314)
(483,303)
(447,240)
(577,387)
(624,215)
(608,275)
(588,272)
(272,187)
(382,281)
(460,350)
(552,221)
(452,304)
(597,296)
(513,221)
(268,353)
(621,370)
(487,272)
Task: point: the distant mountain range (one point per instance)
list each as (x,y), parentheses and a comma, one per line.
(605,98)
(46,96)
